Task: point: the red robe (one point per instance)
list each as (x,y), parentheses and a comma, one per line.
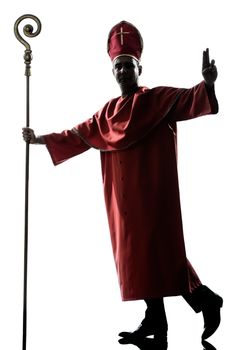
(137,139)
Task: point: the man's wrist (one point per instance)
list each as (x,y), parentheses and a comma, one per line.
(209,83)
(39,140)
(210,89)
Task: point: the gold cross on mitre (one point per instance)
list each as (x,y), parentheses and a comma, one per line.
(121,33)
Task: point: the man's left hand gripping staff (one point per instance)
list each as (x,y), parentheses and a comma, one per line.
(209,70)
(30,137)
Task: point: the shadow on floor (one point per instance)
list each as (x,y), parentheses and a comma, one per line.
(208,346)
(151,344)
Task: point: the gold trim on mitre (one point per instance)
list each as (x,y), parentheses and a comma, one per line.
(125,54)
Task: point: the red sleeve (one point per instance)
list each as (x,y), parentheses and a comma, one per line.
(195,102)
(64,146)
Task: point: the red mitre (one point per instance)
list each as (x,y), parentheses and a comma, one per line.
(124,40)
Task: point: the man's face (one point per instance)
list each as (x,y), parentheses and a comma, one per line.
(126,71)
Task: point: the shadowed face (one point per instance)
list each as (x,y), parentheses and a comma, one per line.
(126,71)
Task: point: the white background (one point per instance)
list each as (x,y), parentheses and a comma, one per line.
(73,294)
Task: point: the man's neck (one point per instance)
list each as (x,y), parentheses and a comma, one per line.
(129,91)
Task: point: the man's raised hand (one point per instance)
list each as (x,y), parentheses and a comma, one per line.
(209,70)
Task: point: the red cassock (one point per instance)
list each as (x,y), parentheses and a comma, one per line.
(136,136)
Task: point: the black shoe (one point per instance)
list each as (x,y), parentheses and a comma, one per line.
(154,323)
(204,300)
(143,331)
(212,318)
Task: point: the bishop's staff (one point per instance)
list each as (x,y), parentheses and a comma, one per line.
(29,32)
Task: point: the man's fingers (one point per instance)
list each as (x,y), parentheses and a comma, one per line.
(206,59)
(207,54)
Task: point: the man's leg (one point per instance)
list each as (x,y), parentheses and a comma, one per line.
(204,300)
(154,323)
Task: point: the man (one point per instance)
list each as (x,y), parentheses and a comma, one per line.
(136,136)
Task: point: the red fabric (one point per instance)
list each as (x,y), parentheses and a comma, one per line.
(124,39)
(137,136)
(194,280)
(64,146)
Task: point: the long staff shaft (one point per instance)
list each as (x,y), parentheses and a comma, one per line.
(26,212)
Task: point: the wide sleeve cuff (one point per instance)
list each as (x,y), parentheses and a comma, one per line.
(198,101)
(65,145)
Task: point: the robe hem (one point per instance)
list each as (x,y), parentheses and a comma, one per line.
(176,294)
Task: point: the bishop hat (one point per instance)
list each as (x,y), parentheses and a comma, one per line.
(124,40)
